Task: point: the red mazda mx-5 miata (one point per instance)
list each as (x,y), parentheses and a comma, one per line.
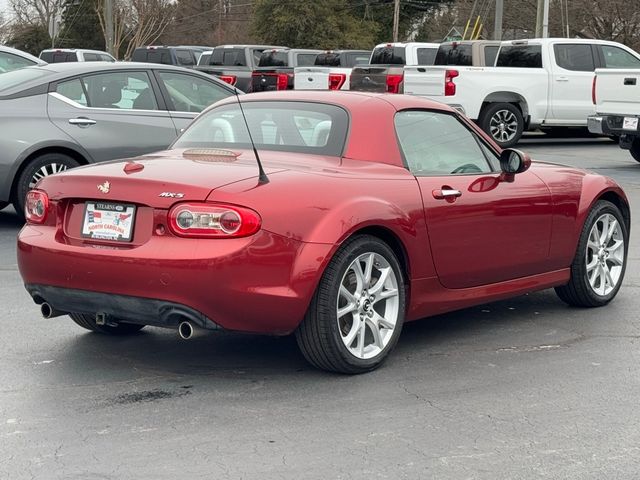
(373,210)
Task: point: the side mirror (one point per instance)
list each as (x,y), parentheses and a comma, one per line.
(514,161)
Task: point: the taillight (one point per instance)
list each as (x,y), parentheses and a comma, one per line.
(393,82)
(282,81)
(210,220)
(336,80)
(36,206)
(230,79)
(449,86)
(593,90)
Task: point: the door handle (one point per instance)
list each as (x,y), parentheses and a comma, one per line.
(82,121)
(562,79)
(446,193)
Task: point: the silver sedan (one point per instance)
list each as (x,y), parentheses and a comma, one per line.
(59,116)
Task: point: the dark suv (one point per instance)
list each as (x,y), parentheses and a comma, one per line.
(182,56)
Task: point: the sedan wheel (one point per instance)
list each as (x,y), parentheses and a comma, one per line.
(598,268)
(39,168)
(357,312)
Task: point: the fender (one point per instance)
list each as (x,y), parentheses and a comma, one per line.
(7,184)
(594,188)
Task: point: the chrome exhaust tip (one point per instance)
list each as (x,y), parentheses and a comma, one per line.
(185,330)
(48,311)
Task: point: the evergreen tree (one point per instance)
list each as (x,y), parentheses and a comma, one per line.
(30,38)
(80,26)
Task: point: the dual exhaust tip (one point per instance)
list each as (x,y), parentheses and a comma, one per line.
(186,330)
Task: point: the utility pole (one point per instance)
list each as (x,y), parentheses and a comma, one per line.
(539,15)
(545,20)
(220,22)
(108,26)
(497,28)
(396,19)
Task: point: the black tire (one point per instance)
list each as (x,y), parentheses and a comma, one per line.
(32,168)
(319,336)
(3,205)
(89,322)
(578,291)
(495,109)
(635,149)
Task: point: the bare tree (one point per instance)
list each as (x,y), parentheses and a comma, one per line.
(36,12)
(137,23)
(5,29)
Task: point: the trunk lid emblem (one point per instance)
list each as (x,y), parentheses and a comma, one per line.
(105,187)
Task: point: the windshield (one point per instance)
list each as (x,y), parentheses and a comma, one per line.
(228,57)
(273,58)
(281,126)
(454,54)
(16,78)
(388,55)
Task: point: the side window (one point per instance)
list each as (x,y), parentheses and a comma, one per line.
(615,57)
(72,89)
(123,90)
(105,58)
(577,57)
(184,58)
(91,57)
(306,59)
(9,62)
(189,93)
(435,143)
(520,56)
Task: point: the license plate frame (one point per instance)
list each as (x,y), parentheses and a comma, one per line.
(112,226)
(630,123)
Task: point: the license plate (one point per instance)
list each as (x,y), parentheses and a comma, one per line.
(108,221)
(630,123)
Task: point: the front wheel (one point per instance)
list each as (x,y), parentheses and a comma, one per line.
(503,122)
(358,309)
(89,322)
(601,259)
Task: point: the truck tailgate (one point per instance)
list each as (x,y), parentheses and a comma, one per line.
(311,78)
(424,81)
(369,78)
(618,91)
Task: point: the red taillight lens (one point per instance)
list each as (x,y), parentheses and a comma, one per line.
(282,81)
(36,206)
(211,220)
(449,86)
(336,80)
(593,90)
(393,82)
(230,79)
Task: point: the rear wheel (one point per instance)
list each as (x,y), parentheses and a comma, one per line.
(38,168)
(357,312)
(89,322)
(503,122)
(635,149)
(601,259)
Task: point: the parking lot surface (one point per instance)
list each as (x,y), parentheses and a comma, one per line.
(524,388)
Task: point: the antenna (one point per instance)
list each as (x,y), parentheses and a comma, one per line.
(261,175)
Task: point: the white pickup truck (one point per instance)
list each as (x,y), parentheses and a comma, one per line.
(616,93)
(537,83)
(331,70)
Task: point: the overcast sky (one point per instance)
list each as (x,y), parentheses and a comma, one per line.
(4,6)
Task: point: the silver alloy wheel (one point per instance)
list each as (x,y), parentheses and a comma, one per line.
(45,171)
(503,126)
(368,305)
(605,255)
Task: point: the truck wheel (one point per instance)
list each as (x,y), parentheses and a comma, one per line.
(89,322)
(38,168)
(635,149)
(357,312)
(503,122)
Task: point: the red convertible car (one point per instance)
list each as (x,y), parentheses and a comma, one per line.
(374,210)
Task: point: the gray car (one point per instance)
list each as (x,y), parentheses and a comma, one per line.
(13,59)
(55,117)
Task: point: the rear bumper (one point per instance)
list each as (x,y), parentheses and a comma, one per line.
(610,125)
(260,284)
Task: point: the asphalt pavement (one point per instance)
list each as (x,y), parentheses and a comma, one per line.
(520,389)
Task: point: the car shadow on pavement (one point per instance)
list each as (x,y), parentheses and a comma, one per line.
(226,355)
(9,219)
